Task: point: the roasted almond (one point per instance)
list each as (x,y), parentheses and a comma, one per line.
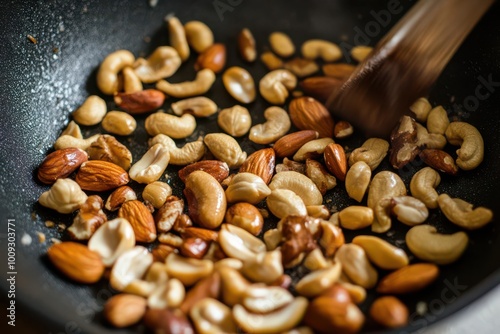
(307,113)
(141,101)
(60,164)
(218,169)
(213,58)
(320,88)
(160,252)
(342,129)
(389,312)
(123,310)
(289,144)
(194,248)
(119,196)
(408,279)
(140,218)
(336,161)
(261,163)
(338,71)
(97,175)
(246,45)
(76,261)
(202,233)
(439,160)
(107,148)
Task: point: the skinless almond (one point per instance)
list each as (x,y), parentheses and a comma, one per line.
(76,261)
(408,279)
(261,163)
(60,164)
(389,312)
(336,161)
(140,102)
(141,219)
(213,58)
(320,88)
(338,71)
(306,113)
(97,175)
(218,169)
(290,143)
(120,196)
(439,160)
(342,129)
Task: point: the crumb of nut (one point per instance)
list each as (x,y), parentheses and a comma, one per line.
(421,308)
(153,3)
(264,213)
(26,239)
(49,223)
(55,50)
(61,227)
(32,39)
(53,240)
(147,39)
(33,216)
(41,237)
(297,93)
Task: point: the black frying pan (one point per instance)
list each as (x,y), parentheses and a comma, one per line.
(40,87)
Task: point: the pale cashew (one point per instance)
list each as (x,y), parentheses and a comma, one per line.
(357,180)
(427,244)
(360,52)
(461,213)
(423,186)
(66,141)
(177,36)
(151,166)
(157,193)
(271,61)
(235,121)
(170,125)
(421,109)
(299,184)
(437,120)
(274,86)
(131,81)
(315,260)
(211,316)
(318,281)
(161,64)
(198,35)
(382,253)
(233,285)
(91,112)
(188,270)
(169,294)
(312,149)
(383,215)
(239,84)
(409,210)
(240,244)
(119,123)
(198,106)
(203,81)
(131,265)
(73,130)
(373,151)
(276,126)
(318,211)
(112,239)
(225,148)
(356,217)
(107,76)
(65,196)
(318,48)
(356,266)
(282,44)
(265,267)
(471,151)
(188,154)
(429,140)
(228,262)
(247,187)
(264,299)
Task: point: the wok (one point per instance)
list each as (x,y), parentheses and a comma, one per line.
(43,83)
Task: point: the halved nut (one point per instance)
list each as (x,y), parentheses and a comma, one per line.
(234,285)
(357,180)
(169,294)
(188,270)
(235,121)
(129,266)
(211,316)
(409,210)
(284,202)
(313,149)
(247,187)
(240,244)
(264,299)
(151,166)
(356,217)
(318,281)
(239,84)
(264,267)
(112,239)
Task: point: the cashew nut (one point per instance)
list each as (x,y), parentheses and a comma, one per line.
(188,270)
(471,151)
(169,294)
(73,130)
(203,81)
(461,213)
(421,109)
(91,112)
(235,121)
(409,210)
(437,120)
(131,81)
(162,63)
(429,140)
(119,123)
(239,84)
(198,35)
(276,126)
(312,149)
(285,202)
(265,267)
(151,166)
(356,266)
(423,186)
(107,76)
(356,217)
(318,48)
(211,316)
(170,125)
(65,196)
(240,244)
(189,153)
(357,180)
(198,106)
(373,151)
(318,281)
(112,239)
(66,141)
(131,265)
(225,148)
(382,253)
(247,187)
(177,36)
(234,285)
(157,193)
(282,44)
(299,184)
(264,299)
(274,86)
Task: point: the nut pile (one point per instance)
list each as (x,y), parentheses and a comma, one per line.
(193,261)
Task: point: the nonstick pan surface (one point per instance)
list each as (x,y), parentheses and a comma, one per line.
(41,84)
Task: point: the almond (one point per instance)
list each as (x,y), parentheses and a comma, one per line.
(289,144)
(338,71)
(160,252)
(141,101)
(123,310)
(439,160)
(140,218)
(120,196)
(60,164)
(194,248)
(246,45)
(307,113)
(261,163)
(389,312)
(202,233)
(320,88)
(218,169)
(213,58)
(342,129)
(97,175)
(336,161)
(76,261)
(107,148)
(408,279)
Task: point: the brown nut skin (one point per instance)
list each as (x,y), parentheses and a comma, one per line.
(261,163)
(218,169)
(321,88)
(287,145)
(307,113)
(439,160)
(160,252)
(409,279)
(108,148)
(140,218)
(60,164)
(97,175)
(167,321)
(246,45)
(124,309)
(194,247)
(246,216)
(208,287)
(213,58)
(202,233)
(140,102)
(389,311)
(335,161)
(298,238)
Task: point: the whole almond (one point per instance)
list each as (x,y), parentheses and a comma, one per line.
(124,310)
(60,164)
(336,161)
(439,160)
(140,218)
(307,113)
(389,312)
(119,196)
(218,169)
(97,175)
(107,148)
(289,144)
(246,45)
(140,102)
(338,71)
(408,279)
(76,261)
(213,58)
(320,88)
(261,163)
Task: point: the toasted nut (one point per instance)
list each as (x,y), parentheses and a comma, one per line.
(202,233)
(318,48)
(276,126)
(198,106)
(423,184)
(315,260)
(206,199)
(60,164)
(89,218)
(188,154)
(66,141)
(229,262)
(356,292)
(409,210)
(198,35)
(356,217)
(274,86)
(65,196)
(313,149)
(141,220)
(320,176)
(107,75)
(281,44)
(107,148)
(265,299)
(271,61)
(471,151)
(307,113)
(299,238)
(169,294)
(225,148)
(211,316)
(332,238)
(360,52)
(236,120)
(389,312)
(234,285)
(275,322)
(342,129)
(157,193)
(218,169)
(140,102)
(408,279)
(261,163)
(213,58)
(301,67)
(437,120)
(112,239)
(299,184)
(131,81)
(421,109)
(124,310)
(439,160)
(240,244)
(166,216)
(335,160)
(188,271)
(317,282)
(91,112)
(119,196)
(151,166)
(239,84)
(429,140)
(131,265)
(272,238)
(119,123)
(160,253)
(76,261)
(357,180)
(246,216)
(320,88)
(356,266)
(289,144)
(246,45)
(382,253)
(162,63)
(208,287)
(72,130)
(461,213)
(264,267)
(403,141)
(338,71)
(177,36)
(170,239)
(373,151)
(195,248)
(167,321)
(201,84)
